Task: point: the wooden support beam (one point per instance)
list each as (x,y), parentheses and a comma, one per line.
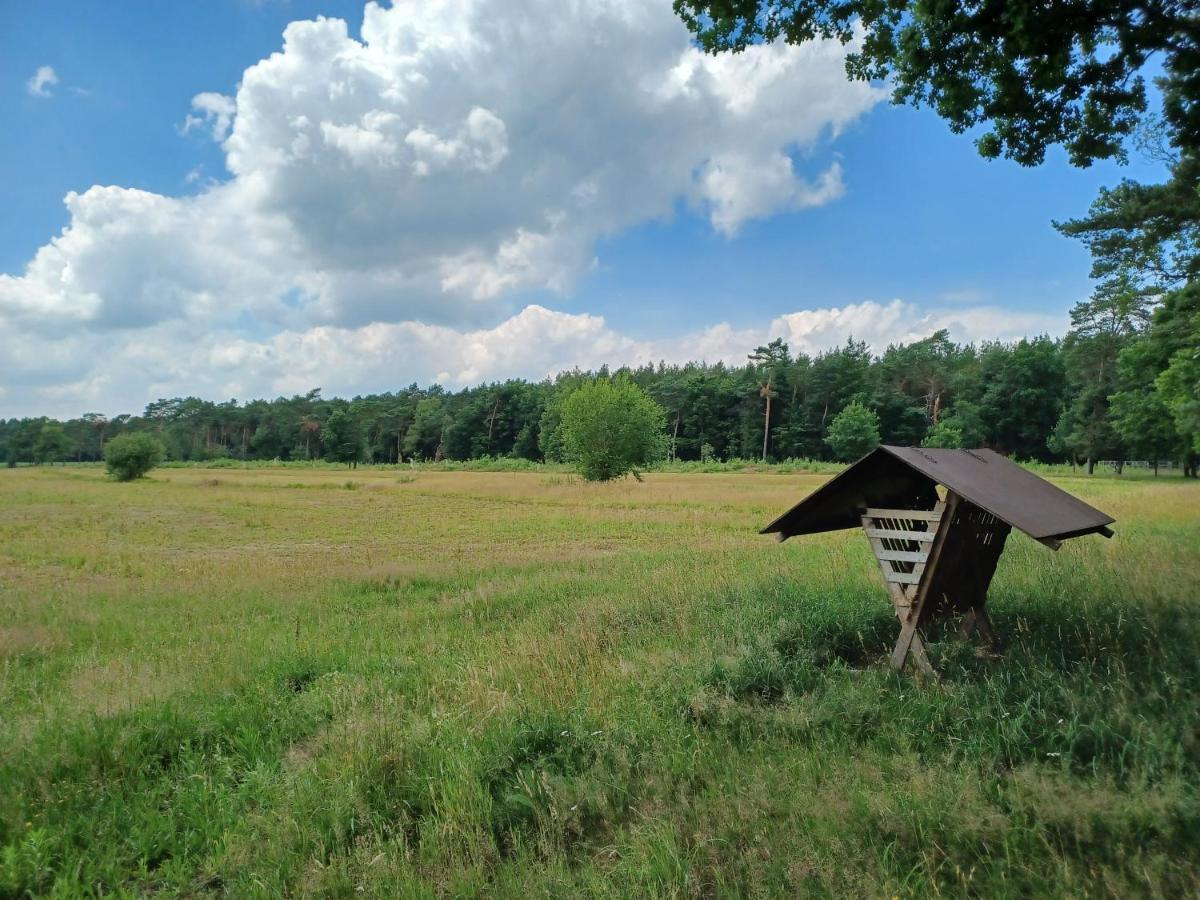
(917,652)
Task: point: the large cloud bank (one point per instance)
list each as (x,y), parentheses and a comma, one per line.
(389,196)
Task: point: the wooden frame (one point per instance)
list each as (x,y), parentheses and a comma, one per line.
(937,520)
(936,563)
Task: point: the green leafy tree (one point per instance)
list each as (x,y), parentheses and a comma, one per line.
(611,428)
(131,456)
(912,386)
(769,361)
(964,416)
(1037,74)
(1151,231)
(1100,329)
(1179,387)
(52,443)
(1145,425)
(342,438)
(551,436)
(425,438)
(1151,410)
(946,434)
(836,378)
(1021,391)
(854,432)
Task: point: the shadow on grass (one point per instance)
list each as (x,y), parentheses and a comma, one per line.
(1099,690)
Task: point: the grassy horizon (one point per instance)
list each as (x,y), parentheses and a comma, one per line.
(284,680)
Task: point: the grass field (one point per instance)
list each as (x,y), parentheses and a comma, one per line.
(269,682)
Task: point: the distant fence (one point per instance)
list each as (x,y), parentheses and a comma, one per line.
(1140,463)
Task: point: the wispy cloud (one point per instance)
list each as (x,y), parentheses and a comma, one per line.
(42,82)
(214,110)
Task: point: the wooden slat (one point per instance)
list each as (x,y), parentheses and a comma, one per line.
(909,629)
(913,556)
(926,536)
(929,515)
(903,577)
(885,568)
(901,595)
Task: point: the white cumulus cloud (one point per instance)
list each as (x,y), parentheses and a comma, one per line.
(454,153)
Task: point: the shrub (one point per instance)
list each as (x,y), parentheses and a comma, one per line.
(130,456)
(946,434)
(854,432)
(611,427)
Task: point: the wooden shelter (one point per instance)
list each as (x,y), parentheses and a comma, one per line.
(937,521)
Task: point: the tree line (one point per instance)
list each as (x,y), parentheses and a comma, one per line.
(1113,389)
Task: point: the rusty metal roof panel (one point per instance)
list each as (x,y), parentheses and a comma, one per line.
(998,485)
(903,477)
(878,479)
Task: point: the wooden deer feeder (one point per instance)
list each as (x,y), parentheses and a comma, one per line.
(938,549)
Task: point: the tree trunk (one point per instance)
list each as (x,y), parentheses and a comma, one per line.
(766,427)
(492,422)
(675,438)
(1156,467)
(1091,465)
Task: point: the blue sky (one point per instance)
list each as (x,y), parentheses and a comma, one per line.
(469,273)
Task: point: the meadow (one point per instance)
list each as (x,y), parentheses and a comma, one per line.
(286,681)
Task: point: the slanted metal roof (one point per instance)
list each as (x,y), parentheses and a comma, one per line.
(904,477)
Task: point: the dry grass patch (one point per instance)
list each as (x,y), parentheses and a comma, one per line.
(259,682)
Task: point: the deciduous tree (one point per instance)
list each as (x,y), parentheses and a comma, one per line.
(611,427)
(854,432)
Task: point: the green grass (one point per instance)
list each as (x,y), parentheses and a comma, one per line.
(258,682)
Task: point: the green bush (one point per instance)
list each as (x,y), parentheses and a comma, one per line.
(853,433)
(130,456)
(946,434)
(611,428)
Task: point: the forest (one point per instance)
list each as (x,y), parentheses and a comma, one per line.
(1115,388)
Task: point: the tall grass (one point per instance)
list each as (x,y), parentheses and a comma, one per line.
(509,685)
